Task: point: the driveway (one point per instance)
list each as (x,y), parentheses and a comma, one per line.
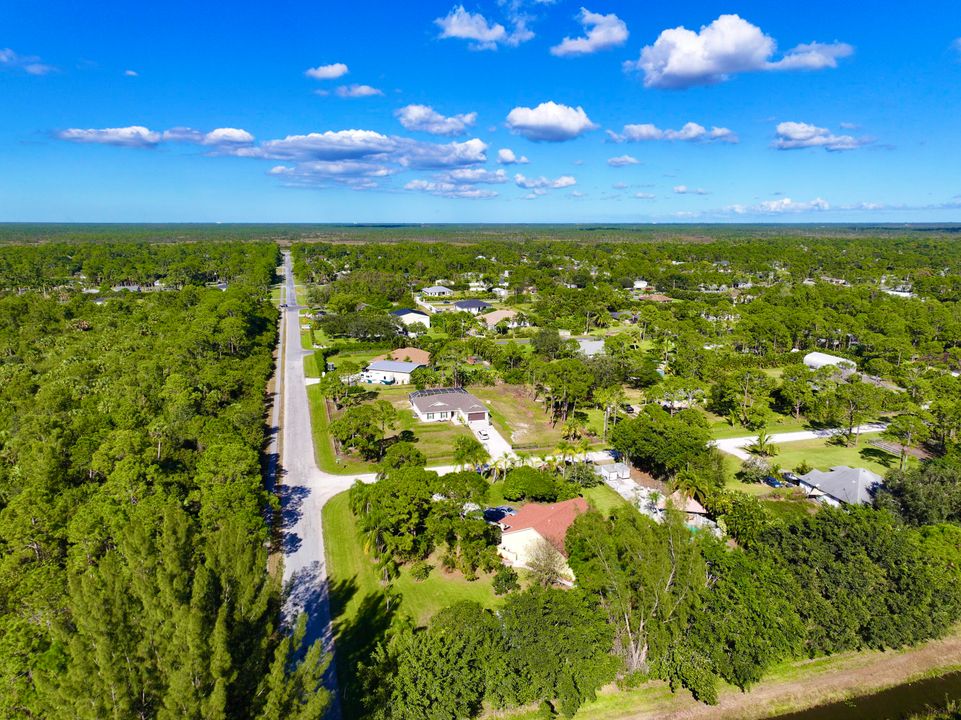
(735,446)
(497,446)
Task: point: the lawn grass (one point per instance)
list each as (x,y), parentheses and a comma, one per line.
(519,419)
(311,369)
(604,499)
(824,455)
(721,429)
(323,447)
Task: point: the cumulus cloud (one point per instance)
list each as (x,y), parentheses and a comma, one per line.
(690,132)
(682,58)
(549,122)
(327,72)
(358,175)
(132,136)
(357,91)
(543,183)
(449,189)
(780,206)
(228,136)
(644,196)
(797,135)
(601,33)
(484,35)
(622,161)
(506,156)
(476,175)
(685,190)
(426,119)
(30,64)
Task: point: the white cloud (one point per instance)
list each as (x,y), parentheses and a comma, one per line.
(549,122)
(602,32)
(682,58)
(132,136)
(131,73)
(484,35)
(795,135)
(356,91)
(506,156)
(358,175)
(227,136)
(30,64)
(411,153)
(685,190)
(426,119)
(691,131)
(622,161)
(329,145)
(476,175)
(620,186)
(543,183)
(327,72)
(183,134)
(644,196)
(780,207)
(450,190)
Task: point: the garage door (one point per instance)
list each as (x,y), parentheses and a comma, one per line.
(471,417)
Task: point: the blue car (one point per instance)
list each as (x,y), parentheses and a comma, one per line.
(773,482)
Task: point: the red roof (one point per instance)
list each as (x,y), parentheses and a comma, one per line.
(550,521)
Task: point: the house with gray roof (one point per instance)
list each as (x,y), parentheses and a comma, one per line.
(390,372)
(472,306)
(841,485)
(442,404)
(411,317)
(437,291)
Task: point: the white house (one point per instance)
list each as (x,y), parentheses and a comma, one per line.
(390,372)
(817,360)
(640,284)
(590,347)
(436,291)
(492,319)
(841,485)
(474,307)
(442,404)
(501,292)
(534,524)
(613,471)
(412,317)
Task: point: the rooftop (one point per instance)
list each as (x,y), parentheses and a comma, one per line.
(472,304)
(854,486)
(407,354)
(394,366)
(407,311)
(498,315)
(445,400)
(550,521)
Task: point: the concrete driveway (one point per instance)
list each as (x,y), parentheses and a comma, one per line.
(735,446)
(496,445)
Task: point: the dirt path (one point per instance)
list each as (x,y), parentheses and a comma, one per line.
(812,683)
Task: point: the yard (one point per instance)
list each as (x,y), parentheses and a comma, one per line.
(435,440)
(823,455)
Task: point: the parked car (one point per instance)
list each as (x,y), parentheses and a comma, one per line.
(773,482)
(790,477)
(483,435)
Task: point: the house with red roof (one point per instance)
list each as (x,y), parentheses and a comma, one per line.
(535,523)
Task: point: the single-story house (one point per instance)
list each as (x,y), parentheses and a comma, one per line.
(841,485)
(501,292)
(407,354)
(536,522)
(817,360)
(613,471)
(589,347)
(436,291)
(441,404)
(472,306)
(640,284)
(412,317)
(492,319)
(390,372)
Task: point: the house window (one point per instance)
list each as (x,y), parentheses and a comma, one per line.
(430,416)
(443,416)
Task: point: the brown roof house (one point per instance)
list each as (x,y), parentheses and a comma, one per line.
(535,523)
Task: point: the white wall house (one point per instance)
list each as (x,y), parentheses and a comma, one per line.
(412,317)
(534,524)
(448,404)
(390,372)
(436,291)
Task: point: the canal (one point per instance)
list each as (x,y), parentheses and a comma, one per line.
(895,703)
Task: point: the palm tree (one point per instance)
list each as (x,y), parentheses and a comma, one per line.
(584,446)
(565,448)
(609,398)
(763,445)
(688,483)
(469,451)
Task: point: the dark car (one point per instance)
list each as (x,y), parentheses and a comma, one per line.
(773,482)
(790,477)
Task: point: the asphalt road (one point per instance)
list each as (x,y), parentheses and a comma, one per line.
(735,446)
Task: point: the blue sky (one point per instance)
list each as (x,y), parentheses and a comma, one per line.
(399,112)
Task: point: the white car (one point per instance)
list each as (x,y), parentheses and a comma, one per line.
(483,435)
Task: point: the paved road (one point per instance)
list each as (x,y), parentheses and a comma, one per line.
(735,446)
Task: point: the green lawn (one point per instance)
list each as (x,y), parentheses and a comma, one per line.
(311,369)
(823,455)
(323,448)
(519,419)
(603,498)
(721,429)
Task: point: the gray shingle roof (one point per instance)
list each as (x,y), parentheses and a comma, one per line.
(445,400)
(398,366)
(853,486)
(471,304)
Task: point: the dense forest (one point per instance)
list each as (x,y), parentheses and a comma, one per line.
(133,579)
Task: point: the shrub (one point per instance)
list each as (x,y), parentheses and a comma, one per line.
(420,570)
(582,474)
(505,580)
(531,484)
